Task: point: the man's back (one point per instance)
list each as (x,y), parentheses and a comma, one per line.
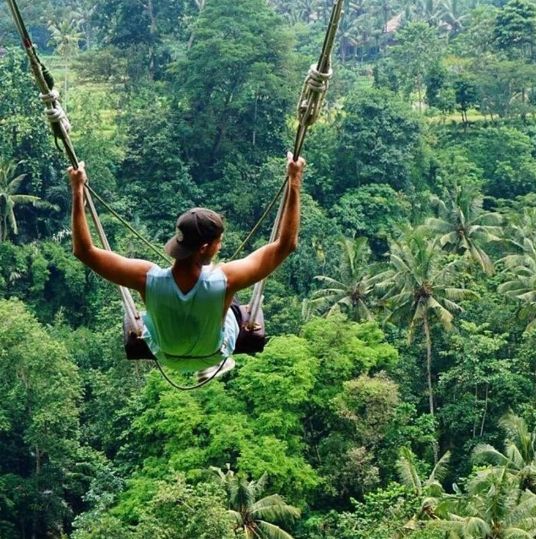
(185,325)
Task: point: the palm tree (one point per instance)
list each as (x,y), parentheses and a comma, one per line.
(521,283)
(429,489)
(454,14)
(519,456)
(495,508)
(429,11)
(463,226)
(419,290)
(254,517)
(350,293)
(66,37)
(9,185)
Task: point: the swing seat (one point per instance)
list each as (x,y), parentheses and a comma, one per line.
(250,340)
(135,346)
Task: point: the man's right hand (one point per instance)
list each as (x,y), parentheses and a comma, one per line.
(77,176)
(295,168)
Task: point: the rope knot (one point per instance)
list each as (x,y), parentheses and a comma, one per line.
(55,113)
(318,81)
(312,96)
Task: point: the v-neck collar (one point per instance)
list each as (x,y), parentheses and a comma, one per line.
(192,290)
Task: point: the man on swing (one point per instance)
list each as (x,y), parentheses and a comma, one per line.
(188,321)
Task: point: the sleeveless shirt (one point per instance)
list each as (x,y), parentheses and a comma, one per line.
(187,331)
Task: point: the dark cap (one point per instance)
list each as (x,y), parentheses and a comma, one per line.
(194,228)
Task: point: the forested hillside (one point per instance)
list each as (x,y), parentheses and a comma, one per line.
(396,396)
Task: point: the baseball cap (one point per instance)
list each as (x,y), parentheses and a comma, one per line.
(194,228)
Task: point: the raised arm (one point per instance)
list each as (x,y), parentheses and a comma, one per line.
(113,267)
(259,264)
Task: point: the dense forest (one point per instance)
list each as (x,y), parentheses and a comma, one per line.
(395,397)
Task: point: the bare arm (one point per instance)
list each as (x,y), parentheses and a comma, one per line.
(113,267)
(259,264)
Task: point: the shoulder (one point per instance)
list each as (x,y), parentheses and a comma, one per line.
(157,271)
(214,273)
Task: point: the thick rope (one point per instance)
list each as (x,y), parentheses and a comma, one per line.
(60,127)
(261,220)
(309,106)
(312,97)
(55,113)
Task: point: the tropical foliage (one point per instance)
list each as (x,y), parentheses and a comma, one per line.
(395,397)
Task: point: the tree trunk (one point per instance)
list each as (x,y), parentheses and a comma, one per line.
(435,445)
(65,86)
(153,29)
(222,124)
(476,413)
(255,113)
(37,473)
(485,411)
(429,364)
(3,228)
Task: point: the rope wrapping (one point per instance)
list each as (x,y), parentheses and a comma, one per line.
(312,97)
(54,111)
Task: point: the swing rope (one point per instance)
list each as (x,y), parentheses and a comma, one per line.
(61,127)
(309,106)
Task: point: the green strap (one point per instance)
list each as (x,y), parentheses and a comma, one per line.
(262,218)
(127,225)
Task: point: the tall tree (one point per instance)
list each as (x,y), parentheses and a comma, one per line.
(40,442)
(378,142)
(10,198)
(418,47)
(420,290)
(66,37)
(520,274)
(352,292)
(515,29)
(235,87)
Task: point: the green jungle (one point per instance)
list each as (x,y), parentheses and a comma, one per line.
(396,395)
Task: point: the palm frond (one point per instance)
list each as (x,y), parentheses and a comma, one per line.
(407,471)
(274,508)
(272,531)
(440,469)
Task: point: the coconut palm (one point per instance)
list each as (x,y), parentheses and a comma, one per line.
(520,272)
(429,490)
(429,11)
(9,198)
(519,456)
(66,37)
(254,517)
(463,226)
(495,507)
(454,13)
(351,292)
(419,291)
